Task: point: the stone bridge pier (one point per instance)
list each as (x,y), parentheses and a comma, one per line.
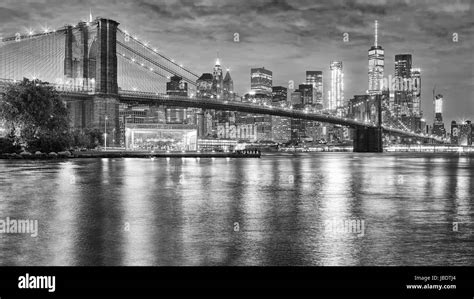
(91,58)
(368,140)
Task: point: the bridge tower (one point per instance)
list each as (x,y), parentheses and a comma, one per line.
(369,139)
(91,61)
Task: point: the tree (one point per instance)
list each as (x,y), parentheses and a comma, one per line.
(88,138)
(35,116)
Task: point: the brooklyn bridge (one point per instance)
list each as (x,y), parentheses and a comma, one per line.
(96,66)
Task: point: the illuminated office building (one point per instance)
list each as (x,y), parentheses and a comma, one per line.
(465,133)
(315,78)
(336,94)
(403,93)
(279,96)
(217,81)
(204,86)
(438,126)
(376,65)
(416,91)
(228,87)
(177,87)
(307,93)
(261,81)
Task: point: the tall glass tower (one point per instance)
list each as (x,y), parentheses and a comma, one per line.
(315,78)
(336,94)
(376,65)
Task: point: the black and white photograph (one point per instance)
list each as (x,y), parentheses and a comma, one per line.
(234,135)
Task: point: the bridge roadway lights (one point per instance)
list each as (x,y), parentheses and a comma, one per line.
(368,140)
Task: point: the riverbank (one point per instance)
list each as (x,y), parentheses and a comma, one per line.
(130,154)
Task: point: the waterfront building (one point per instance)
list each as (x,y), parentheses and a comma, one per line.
(161,137)
(218,145)
(281,129)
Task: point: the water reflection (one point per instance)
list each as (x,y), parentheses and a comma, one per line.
(268,211)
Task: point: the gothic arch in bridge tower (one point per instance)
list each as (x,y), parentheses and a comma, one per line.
(92,56)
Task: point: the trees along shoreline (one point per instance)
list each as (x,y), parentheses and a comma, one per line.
(36,119)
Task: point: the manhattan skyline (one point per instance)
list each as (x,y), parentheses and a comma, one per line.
(291,37)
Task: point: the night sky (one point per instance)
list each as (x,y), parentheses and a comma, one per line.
(289,37)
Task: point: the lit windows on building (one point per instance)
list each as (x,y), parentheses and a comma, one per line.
(438,126)
(208,144)
(376,65)
(336,94)
(307,93)
(261,81)
(466,134)
(438,106)
(279,95)
(416,91)
(177,87)
(204,86)
(218,80)
(315,78)
(281,129)
(160,137)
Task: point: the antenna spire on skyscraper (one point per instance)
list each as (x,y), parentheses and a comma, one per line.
(217,59)
(376,33)
(90,15)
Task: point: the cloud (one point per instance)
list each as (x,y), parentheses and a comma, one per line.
(287,36)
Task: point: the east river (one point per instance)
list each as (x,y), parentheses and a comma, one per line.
(416,209)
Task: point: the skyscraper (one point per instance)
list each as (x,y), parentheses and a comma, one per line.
(315,78)
(217,82)
(177,87)
(281,126)
(228,87)
(403,94)
(336,94)
(454,133)
(204,86)
(416,91)
(307,93)
(438,126)
(261,81)
(376,65)
(403,63)
(279,95)
(204,91)
(465,133)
